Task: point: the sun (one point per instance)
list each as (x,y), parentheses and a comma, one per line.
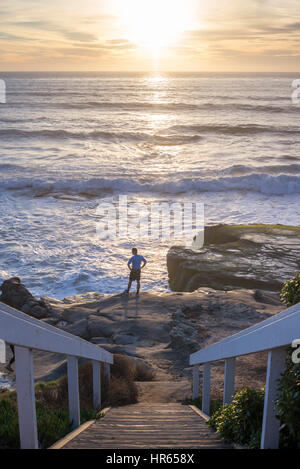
(155,24)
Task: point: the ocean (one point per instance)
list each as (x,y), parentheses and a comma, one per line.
(69,141)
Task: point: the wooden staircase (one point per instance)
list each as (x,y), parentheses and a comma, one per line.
(143,426)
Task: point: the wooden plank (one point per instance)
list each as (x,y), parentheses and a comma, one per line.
(68,438)
(153,426)
(199,412)
(59,444)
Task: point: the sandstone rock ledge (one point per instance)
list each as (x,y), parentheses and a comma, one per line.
(161,329)
(237,256)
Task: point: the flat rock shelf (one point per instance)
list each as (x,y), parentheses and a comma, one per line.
(148,426)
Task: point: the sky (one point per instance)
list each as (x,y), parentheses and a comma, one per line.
(145,35)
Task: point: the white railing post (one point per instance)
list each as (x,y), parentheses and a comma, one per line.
(96,385)
(195,381)
(26,398)
(270,427)
(106,374)
(73,392)
(206,389)
(229,378)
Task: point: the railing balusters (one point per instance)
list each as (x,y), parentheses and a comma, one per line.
(73,392)
(270,427)
(26,398)
(106,373)
(229,378)
(26,334)
(206,389)
(195,381)
(96,385)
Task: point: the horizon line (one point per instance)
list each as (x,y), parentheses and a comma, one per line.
(150,71)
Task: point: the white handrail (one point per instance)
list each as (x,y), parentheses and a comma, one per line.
(273,335)
(270,320)
(11,337)
(264,336)
(27,333)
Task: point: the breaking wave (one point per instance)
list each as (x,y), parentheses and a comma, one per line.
(95,187)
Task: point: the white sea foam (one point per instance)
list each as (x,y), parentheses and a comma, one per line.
(256,182)
(66,142)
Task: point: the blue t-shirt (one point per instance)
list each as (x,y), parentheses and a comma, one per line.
(136,261)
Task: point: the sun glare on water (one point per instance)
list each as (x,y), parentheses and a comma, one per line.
(155,24)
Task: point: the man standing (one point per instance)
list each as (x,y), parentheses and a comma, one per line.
(135,264)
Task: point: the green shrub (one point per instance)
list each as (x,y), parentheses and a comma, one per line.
(290,293)
(214,404)
(52,401)
(289,386)
(9,428)
(53,424)
(288,405)
(240,422)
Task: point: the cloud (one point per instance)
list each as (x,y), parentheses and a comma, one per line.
(223,31)
(120,44)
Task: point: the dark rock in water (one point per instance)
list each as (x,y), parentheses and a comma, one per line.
(16,295)
(239,256)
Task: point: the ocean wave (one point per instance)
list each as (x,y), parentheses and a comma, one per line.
(175,139)
(174,135)
(257,182)
(242,129)
(184,106)
(240,169)
(167,106)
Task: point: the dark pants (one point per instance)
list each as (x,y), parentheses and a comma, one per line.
(13,358)
(135,275)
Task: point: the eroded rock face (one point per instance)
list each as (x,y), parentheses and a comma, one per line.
(241,256)
(16,295)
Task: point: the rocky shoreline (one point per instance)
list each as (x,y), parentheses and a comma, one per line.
(159,329)
(237,256)
(228,285)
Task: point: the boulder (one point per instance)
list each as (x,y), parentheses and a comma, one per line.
(100,326)
(99,340)
(256,257)
(124,339)
(16,295)
(50,321)
(79,328)
(38,312)
(51,301)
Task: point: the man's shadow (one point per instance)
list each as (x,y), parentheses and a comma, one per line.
(130,304)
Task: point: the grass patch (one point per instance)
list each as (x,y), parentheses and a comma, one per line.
(53,424)
(52,401)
